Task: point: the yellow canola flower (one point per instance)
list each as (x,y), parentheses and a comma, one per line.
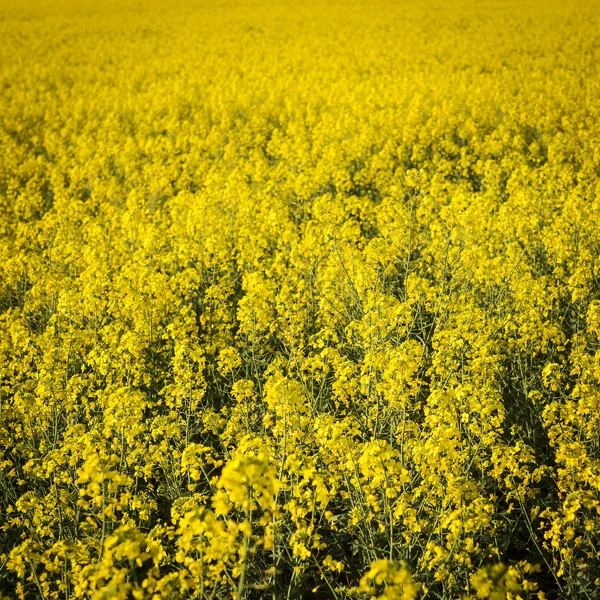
(395,580)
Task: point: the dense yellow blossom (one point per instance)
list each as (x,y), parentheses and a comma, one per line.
(299,300)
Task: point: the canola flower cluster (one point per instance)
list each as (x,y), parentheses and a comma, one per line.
(299,300)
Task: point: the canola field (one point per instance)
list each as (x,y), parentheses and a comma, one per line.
(299,299)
